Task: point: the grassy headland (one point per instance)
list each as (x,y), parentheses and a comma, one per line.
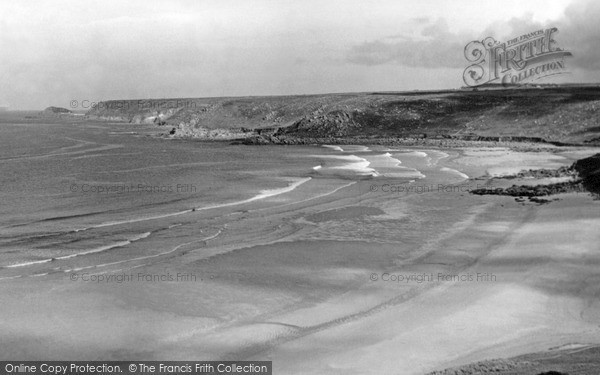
(558,114)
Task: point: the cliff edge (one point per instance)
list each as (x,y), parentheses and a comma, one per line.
(567,114)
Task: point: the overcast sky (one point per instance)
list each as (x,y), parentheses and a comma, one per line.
(57,51)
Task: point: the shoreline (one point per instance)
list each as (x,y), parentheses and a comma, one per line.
(442,143)
(562,114)
(288,277)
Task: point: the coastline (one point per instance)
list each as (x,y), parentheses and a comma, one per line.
(290,274)
(300,188)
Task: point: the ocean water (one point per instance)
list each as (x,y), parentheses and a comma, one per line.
(76,195)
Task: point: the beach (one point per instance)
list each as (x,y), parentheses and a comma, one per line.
(338,259)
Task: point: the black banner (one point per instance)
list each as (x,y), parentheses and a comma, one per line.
(135,367)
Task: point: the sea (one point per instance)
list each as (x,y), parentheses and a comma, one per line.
(80,195)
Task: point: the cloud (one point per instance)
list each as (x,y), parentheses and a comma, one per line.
(134,49)
(435,47)
(57,52)
(578,33)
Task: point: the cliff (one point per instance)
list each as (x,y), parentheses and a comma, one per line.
(569,114)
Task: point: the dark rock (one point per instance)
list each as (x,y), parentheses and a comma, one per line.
(585,174)
(56,111)
(589,171)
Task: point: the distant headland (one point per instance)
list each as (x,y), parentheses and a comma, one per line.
(551,113)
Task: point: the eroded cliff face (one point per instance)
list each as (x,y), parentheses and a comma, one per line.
(559,114)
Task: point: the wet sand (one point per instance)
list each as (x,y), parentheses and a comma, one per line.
(306,279)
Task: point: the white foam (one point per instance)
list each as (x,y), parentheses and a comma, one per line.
(96,250)
(442,154)
(454,171)
(311,198)
(359,166)
(439,155)
(337,148)
(91,251)
(263,194)
(420,154)
(388,166)
(111,223)
(148,256)
(11,277)
(29,263)
(356,148)
(349,148)
(273,192)
(338,157)
(384,161)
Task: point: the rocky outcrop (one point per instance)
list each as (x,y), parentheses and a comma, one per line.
(584,174)
(589,170)
(55,111)
(566,171)
(183,131)
(533,191)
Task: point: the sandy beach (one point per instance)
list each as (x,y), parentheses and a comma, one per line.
(300,187)
(371,275)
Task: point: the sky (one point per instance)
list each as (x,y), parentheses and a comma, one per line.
(56,52)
